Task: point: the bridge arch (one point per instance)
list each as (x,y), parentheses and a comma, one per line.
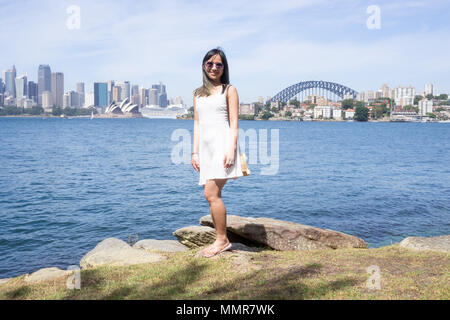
(335,88)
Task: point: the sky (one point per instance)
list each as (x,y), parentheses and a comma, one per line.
(269,44)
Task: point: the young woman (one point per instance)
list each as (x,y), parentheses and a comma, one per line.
(215,152)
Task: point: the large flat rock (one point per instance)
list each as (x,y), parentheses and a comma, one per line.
(440,243)
(195,236)
(284,235)
(160,245)
(47,274)
(116,252)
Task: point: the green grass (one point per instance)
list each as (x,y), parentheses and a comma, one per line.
(320,274)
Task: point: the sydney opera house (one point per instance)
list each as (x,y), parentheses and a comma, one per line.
(125,109)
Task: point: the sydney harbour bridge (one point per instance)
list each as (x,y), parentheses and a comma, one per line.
(330,90)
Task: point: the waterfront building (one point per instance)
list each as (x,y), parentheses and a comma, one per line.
(385,92)
(162,94)
(117,94)
(404,96)
(21,87)
(32,91)
(324,111)
(349,113)
(89,100)
(44,80)
(143,97)
(110,91)
(153,99)
(57,88)
(81,93)
(100,94)
(425,106)
(247,109)
(10,82)
(47,102)
(337,113)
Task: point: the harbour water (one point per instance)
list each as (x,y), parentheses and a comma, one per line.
(67,184)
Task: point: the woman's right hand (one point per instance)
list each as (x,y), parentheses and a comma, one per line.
(195,162)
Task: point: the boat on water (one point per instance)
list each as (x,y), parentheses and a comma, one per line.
(92,114)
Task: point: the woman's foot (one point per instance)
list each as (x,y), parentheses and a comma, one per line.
(216,248)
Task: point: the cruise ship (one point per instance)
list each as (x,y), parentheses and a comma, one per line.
(156,112)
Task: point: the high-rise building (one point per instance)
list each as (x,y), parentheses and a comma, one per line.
(47,102)
(386,93)
(428,89)
(57,88)
(81,93)
(425,106)
(135,90)
(100,94)
(162,94)
(71,99)
(117,94)
(153,98)
(10,82)
(21,87)
(32,91)
(44,80)
(143,97)
(89,99)
(126,90)
(110,91)
(404,95)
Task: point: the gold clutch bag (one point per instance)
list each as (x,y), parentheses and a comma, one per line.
(244,165)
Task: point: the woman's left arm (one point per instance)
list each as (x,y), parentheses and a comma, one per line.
(233,116)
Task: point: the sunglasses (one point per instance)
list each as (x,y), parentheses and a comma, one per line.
(210,64)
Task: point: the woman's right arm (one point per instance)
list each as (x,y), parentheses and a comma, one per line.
(195,141)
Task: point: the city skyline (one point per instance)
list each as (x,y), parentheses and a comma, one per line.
(269,46)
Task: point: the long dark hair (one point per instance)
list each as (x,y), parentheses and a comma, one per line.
(205,89)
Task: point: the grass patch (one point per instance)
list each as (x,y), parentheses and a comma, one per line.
(268,274)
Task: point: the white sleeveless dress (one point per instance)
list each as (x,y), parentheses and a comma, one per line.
(214,138)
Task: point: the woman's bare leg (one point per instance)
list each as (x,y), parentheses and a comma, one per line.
(213,194)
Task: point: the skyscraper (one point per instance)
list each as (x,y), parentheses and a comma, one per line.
(44,80)
(81,93)
(47,102)
(116,94)
(126,90)
(21,87)
(32,91)
(110,91)
(100,94)
(57,88)
(10,82)
(143,97)
(153,97)
(162,95)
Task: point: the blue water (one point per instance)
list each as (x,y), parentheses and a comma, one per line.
(67,184)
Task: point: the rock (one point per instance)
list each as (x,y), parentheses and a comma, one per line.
(284,235)
(5,280)
(116,252)
(47,274)
(160,245)
(441,243)
(195,236)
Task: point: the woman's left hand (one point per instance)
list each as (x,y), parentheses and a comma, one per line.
(228,159)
